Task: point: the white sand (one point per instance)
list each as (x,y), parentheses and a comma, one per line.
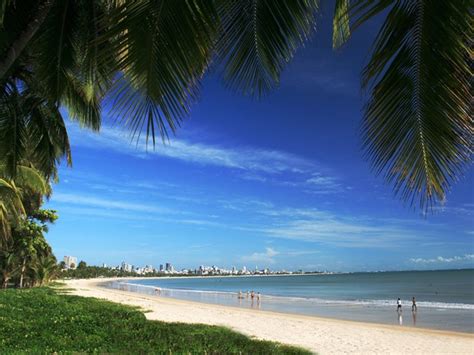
(322,335)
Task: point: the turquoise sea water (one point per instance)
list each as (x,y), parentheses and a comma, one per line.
(445,298)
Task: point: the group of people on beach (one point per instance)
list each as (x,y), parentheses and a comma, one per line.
(413,310)
(249,294)
(413,305)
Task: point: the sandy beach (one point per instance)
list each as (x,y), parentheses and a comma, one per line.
(321,335)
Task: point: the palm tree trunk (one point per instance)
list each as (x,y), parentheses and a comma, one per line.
(24,37)
(6,278)
(23,267)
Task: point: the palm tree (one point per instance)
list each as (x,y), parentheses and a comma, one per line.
(12,197)
(8,266)
(146,60)
(44,269)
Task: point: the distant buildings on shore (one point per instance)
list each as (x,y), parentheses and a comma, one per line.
(168,269)
(70,262)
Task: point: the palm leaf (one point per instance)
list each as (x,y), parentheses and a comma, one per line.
(55,48)
(49,141)
(3,7)
(259,38)
(341,28)
(162,50)
(64,61)
(31,179)
(417,124)
(13,129)
(11,208)
(32,129)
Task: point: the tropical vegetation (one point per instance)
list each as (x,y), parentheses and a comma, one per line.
(48,321)
(144,60)
(26,259)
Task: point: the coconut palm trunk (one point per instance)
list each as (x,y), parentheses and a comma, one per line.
(22,274)
(5,280)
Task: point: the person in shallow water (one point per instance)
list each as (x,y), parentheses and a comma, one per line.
(399,305)
(413,306)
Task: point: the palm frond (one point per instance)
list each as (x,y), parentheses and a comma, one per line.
(341,29)
(11,208)
(66,63)
(82,106)
(55,48)
(13,129)
(3,7)
(162,50)
(31,130)
(96,75)
(31,179)
(48,139)
(259,38)
(418,122)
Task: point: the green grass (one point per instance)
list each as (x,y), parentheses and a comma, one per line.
(43,320)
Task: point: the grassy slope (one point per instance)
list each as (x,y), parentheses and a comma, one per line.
(42,320)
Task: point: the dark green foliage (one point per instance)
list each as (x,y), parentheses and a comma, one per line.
(147,59)
(417,127)
(26,259)
(42,321)
(88,272)
(259,38)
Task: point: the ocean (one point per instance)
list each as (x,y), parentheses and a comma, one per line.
(445,299)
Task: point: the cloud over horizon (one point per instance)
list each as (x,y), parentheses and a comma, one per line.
(444,260)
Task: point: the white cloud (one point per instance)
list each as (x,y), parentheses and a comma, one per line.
(466,209)
(443,260)
(262,219)
(105,203)
(249,159)
(323,181)
(253,164)
(313,225)
(266,257)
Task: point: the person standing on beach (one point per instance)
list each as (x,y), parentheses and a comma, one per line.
(258,296)
(399,305)
(413,306)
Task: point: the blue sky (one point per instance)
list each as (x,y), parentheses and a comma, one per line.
(280,183)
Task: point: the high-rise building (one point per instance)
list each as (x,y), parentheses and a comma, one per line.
(70,262)
(161,268)
(126,267)
(169,267)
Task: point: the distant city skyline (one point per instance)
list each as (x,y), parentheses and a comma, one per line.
(280,182)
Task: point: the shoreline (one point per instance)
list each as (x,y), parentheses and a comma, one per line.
(199,276)
(324,335)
